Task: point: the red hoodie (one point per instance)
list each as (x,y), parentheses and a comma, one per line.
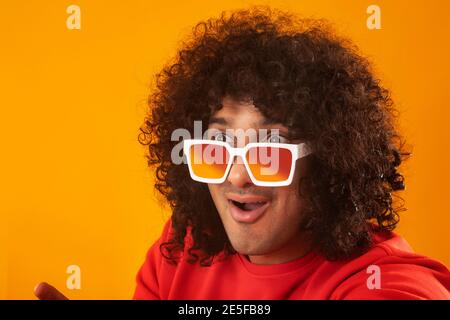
(402,275)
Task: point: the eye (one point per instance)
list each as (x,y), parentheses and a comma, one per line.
(275,138)
(221,136)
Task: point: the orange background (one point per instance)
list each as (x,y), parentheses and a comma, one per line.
(74,184)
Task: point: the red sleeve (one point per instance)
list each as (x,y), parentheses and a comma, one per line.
(147,285)
(399,282)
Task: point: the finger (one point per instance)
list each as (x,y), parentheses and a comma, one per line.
(44,291)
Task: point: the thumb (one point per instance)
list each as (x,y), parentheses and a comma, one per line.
(44,291)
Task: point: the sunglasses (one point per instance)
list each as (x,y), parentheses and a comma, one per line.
(268,164)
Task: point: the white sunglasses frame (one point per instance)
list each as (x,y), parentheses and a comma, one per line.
(298,151)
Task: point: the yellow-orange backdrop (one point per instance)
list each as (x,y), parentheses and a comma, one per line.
(74,184)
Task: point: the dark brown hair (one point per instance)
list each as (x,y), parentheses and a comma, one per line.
(300,73)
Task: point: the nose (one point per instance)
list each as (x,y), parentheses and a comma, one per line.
(238,175)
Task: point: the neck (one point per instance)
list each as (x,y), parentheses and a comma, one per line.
(297,248)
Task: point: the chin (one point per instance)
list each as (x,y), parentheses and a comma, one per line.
(241,247)
(248,248)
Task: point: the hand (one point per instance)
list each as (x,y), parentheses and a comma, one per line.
(44,291)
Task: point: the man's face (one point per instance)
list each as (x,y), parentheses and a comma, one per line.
(273,226)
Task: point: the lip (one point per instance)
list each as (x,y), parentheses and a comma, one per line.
(244,216)
(246,198)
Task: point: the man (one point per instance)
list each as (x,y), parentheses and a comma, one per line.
(289,193)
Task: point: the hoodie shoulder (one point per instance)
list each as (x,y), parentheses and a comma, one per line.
(392,270)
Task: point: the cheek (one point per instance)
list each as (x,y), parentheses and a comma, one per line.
(291,194)
(214,190)
(287,199)
(288,202)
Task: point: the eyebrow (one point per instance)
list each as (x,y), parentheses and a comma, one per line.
(223,121)
(268,121)
(216,120)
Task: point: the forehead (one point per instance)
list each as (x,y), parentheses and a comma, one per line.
(239,114)
(231,107)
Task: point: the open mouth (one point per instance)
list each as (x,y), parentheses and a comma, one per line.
(247,209)
(248,206)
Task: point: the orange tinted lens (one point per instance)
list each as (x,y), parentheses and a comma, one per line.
(208,160)
(269,164)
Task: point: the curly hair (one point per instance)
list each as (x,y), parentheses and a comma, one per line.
(297,72)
